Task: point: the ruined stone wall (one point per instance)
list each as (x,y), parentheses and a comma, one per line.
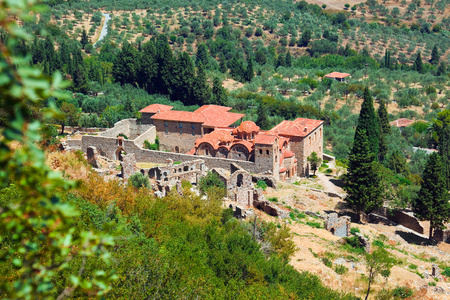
(74,144)
(404,218)
(173,141)
(106,146)
(149,135)
(303,147)
(442,235)
(265,156)
(240,187)
(338,226)
(129,127)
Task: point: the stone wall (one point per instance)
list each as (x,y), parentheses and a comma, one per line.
(128,127)
(128,166)
(74,144)
(338,226)
(149,135)
(405,218)
(173,141)
(240,188)
(442,235)
(106,146)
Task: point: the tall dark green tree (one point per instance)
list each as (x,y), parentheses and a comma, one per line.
(202,55)
(305,38)
(249,72)
(260,57)
(125,65)
(362,179)
(219,94)
(222,63)
(418,64)
(163,81)
(442,70)
(441,128)
(201,90)
(262,119)
(64,53)
(148,67)
(385,130)
(183,79)
(432,203)
(387,59)
(37,51)
(288,59)
(84,38)
(281,60)
(80,81)
(236,68)
(368,122)
(435,58)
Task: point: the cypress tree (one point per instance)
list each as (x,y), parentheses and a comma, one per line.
(163,81)
(362,179)
(223,63)
(249,73)
(368,122)
(387,59)
(148,67)
(84,38)
(432,202)
(385,130)
(201,91)
(305,38)
(183,79)
(435,56)
(260,57)
(288,59)
(202,55)
(442,70)
(281,61)
(64,54)
(80,81)
(37,51)
(418,64)
(237,68)
(262,119)
(125,65)
(219,94)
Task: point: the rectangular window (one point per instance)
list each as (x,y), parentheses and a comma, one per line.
(193,129)
(180,125)
(166,127)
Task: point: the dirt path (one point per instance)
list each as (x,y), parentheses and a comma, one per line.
(327,182)
(334,4)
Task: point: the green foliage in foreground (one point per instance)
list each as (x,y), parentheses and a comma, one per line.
(139,180)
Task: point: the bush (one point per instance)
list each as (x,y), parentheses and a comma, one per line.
(138,180)
(402,292)
(154,146)
(354,230)
(273,199)
(327,262)
(340,269)
(314,224)
(446,272)
(209,181)
(261,184)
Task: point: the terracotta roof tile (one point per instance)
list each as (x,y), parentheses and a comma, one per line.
(218,116)
(299,127)
(216,138)
(247,127)
(265,139)
(337,75)
(287,154)
(246,144)
(180,116)
(401,122)
(156,108)
(283,170)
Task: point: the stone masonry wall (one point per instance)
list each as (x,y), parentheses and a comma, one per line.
(303,147)
(149,135)
(74,144)
(173,140)
(404,218)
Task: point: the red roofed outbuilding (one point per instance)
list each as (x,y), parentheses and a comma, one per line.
(337,76)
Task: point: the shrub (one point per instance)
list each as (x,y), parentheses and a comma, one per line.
(412,267)
(327,262)
(139,180)
(314,224)
(209,181)
(354,230)
(340,269)
(432,283)
(261,184)
(273,199)
(446,272)
(402,292)
(154,146)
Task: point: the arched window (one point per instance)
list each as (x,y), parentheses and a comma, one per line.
(240,180)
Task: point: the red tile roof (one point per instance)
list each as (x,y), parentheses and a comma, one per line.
(216,138)
(283,170)
(337,75)
(401,122)
(180,116)
(245,143)
(299,127)
(218,116)
(156,108)
(287,154)
(247,127)
(265,139)
(209,115)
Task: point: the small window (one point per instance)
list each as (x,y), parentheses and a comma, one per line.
(206,151)
(267,152)
(180,125)
(193,129)
(166,127)
(260,151)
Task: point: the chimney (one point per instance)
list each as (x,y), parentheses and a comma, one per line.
(306,129)
(158,111)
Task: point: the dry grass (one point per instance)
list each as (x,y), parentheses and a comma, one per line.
(71,164)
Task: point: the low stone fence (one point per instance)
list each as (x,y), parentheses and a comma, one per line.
(402,217)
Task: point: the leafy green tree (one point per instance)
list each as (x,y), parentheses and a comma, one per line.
(236,68)
(209,181)
(70,117)
(219,94)
(305,38)
(36,225)
(377,262)
(249,73)
(139,180)
(262,120)
(288,60)
(80,81)
(260,57)
(432,203)
(281,60)
(398,164)
(362,179)
(441,128)
(314,162)
(222,63)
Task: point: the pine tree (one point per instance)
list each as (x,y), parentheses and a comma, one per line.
(432,202)
(260,57)
(368,122)
(435,56)
(64,54)
(249,73)
(219,94)
(442,70)
(288,59)
(80,81)
(362,179)
(84,38)
(262,120)
(37,51)
(418,64)
(125,65)
(281,61)
(201,91)
(236,68)
(305,38)
(223,63)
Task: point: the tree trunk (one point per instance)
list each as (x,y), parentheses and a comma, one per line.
(62,128)
(368,289)
(430,237)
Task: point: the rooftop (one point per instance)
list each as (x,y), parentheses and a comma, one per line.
(156,108)
(337,75)
(180,116)
(265,139)
(300,127)
(247,127)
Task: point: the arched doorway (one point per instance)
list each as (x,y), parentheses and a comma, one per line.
(177,149)
(118,155)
